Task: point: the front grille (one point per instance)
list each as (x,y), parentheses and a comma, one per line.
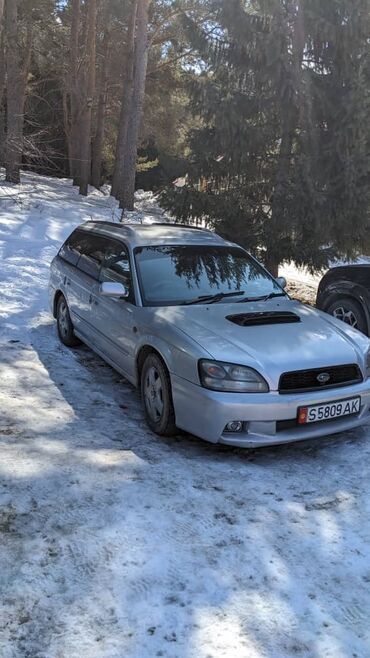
(308,380)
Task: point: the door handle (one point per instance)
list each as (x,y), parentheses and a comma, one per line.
(92,300)
(66,281)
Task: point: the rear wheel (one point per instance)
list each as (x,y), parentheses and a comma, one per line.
(64,324)
(349,311)
(156,395)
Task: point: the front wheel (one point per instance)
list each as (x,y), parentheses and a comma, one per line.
(349,311)
(156,395)
(64,324)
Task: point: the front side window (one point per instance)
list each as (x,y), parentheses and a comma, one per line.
(172,275)
(116,266)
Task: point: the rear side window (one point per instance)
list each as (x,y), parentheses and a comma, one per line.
(85,251)
(97,256)
(93,250)
(72,248)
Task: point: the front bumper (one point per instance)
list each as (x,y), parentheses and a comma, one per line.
(205,414)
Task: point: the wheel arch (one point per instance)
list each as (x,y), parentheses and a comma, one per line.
(57,296)
(142,354)
(355,293)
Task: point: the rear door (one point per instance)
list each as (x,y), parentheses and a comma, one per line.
(113,318)
(83,255)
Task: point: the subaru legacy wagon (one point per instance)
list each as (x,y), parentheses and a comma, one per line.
(213,341)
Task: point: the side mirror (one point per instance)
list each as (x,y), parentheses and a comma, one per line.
(281,281)
(113,289)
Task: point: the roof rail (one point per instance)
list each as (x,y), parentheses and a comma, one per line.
(177,225)
(103,222)
(135,225)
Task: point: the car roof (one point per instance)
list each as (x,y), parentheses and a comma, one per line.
(140,235)
(348,266)
(348,269)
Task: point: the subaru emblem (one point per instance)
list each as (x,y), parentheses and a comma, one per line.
(323,378)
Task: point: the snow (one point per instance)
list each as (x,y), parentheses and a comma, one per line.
(115,543)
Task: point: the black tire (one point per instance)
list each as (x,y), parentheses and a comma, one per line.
(64,324)
(156,396)
(349,311)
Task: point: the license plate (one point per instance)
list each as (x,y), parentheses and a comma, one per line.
(328,411)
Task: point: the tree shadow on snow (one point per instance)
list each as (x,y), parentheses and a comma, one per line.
(120,543)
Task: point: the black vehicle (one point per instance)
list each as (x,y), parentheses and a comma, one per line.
(345,293)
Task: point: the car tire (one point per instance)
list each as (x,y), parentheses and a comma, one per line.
(64,324)
(349,311)
(156,395)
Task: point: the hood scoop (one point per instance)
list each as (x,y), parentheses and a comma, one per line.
(256,319)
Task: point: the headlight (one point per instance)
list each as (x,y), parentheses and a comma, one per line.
(220,376)
(367,362)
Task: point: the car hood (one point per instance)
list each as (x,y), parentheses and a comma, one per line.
(316,340)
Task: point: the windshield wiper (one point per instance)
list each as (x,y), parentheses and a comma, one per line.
(263,298)
(212,299)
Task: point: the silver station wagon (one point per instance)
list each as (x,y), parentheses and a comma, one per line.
(213,341)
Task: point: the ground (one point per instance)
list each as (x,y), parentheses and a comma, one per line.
(115,543)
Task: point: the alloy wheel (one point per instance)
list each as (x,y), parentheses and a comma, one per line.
(346,315)
(63,319)
(153,394)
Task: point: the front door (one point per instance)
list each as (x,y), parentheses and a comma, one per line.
(114,318)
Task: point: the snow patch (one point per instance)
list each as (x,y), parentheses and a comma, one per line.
(115,542)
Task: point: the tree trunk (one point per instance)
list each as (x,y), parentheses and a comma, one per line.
(125,104)
(16,87)
(71,95)
(272,266)
(97,150)
(87,101)
(2,87)
(136,106)
(289,115)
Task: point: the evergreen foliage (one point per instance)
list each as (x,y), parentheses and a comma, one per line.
(261,106)
(281,160)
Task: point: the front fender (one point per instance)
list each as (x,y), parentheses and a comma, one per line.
(179,352)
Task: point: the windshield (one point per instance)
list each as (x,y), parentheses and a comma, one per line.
(173,275)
